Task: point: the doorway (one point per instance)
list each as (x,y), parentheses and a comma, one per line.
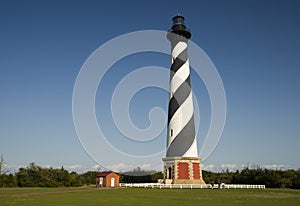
(169,173)
(112,182)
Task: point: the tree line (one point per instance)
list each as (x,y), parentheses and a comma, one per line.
(257,176)
(36,176)
(139,175)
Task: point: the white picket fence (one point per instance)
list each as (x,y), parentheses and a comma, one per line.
(192,186)
(233,186)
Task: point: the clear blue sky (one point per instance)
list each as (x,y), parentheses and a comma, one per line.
(255,46)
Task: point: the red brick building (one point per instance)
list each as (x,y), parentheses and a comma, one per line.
(107,179)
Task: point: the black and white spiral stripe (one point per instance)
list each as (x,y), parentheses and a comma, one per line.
(181,127)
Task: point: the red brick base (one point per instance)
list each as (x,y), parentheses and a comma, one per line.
(182,170)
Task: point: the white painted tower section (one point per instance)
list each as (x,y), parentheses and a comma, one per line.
(181,164)
(182,141)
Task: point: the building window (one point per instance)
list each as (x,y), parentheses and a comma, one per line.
(171,132)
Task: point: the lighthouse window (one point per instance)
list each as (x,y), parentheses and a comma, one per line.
(171,132)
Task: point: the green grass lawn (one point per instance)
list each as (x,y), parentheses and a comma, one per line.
(31,190)
(140,196)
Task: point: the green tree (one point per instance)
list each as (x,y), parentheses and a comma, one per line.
(7,180)
(88,177)
(156,176)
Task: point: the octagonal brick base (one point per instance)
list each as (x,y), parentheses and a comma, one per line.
(182,170)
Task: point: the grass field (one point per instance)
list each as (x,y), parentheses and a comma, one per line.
(88,196)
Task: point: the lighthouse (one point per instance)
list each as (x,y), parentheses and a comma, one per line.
(181,164)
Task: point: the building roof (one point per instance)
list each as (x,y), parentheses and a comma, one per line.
(104,174)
